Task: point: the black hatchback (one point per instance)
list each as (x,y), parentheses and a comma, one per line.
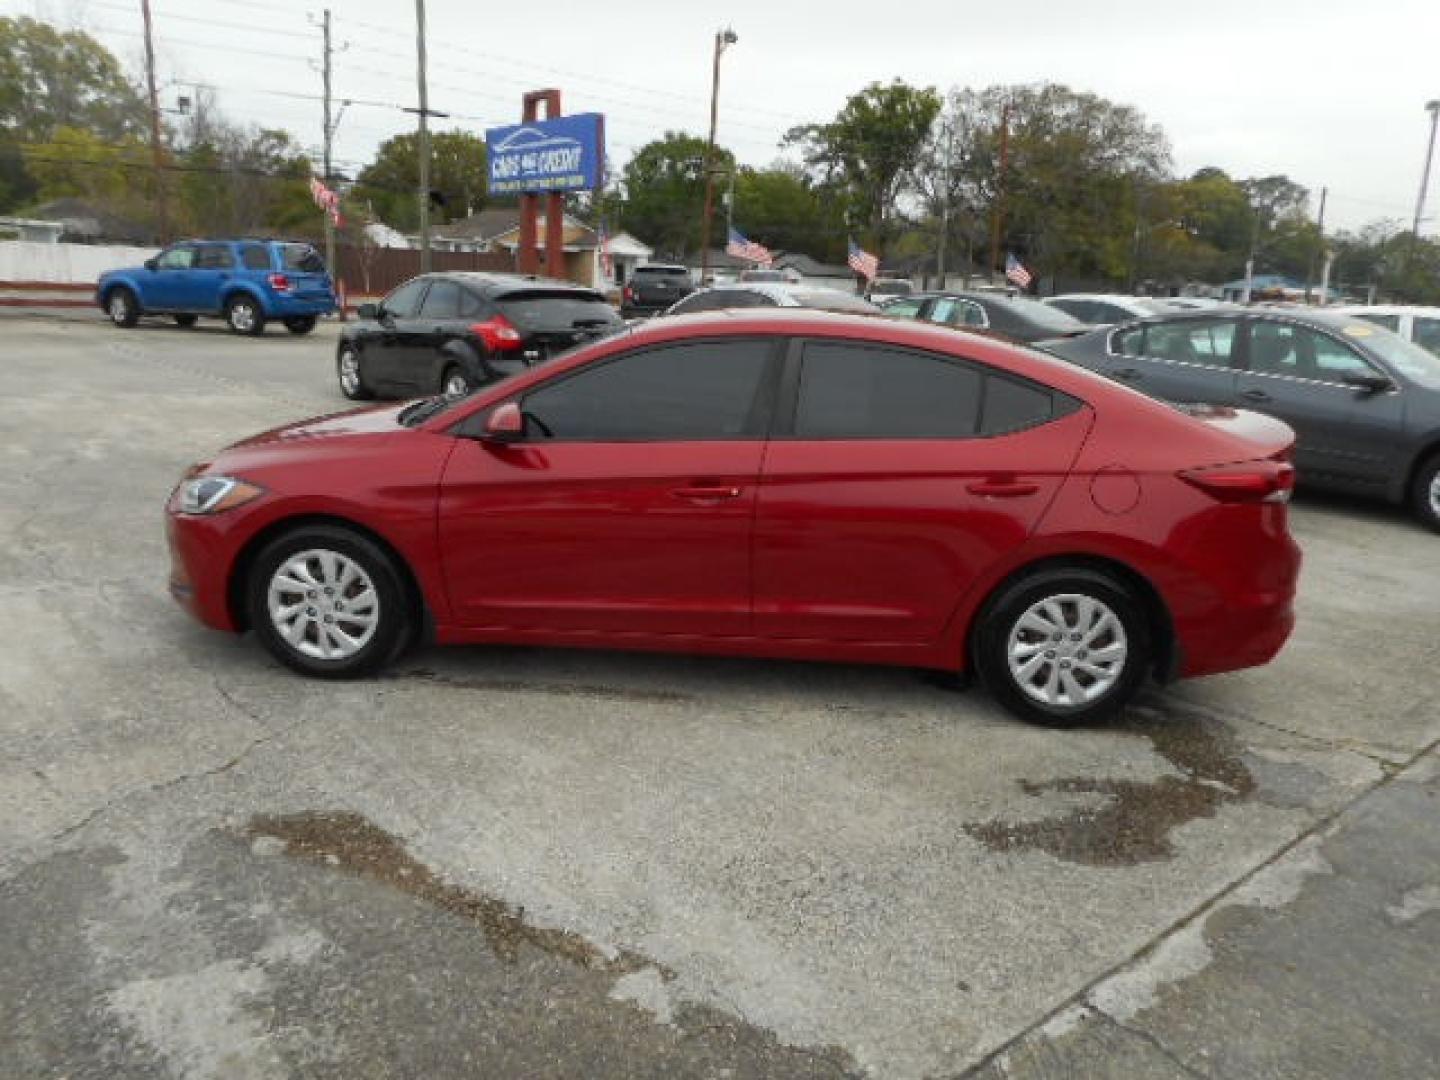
(450,333)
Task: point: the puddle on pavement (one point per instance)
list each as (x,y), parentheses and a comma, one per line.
(350,843)
(1135,822)
(554,689)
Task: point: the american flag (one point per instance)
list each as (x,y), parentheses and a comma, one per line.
(327,200)
(747,249)
(1016,272)
(862,262)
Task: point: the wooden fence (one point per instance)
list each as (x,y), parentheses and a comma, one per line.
(375,271)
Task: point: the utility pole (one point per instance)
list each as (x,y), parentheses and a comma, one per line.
(1433,108)
(1310,266)
(722,39)
(948,135)
(329,175)
(424,146)
(156,149)
(998,216)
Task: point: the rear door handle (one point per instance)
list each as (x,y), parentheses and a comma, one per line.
(1255,395)
(706,493)
(1002,489)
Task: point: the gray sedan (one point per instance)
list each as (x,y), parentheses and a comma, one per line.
(1364,403)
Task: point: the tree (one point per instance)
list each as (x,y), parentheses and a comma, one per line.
(51,79)
(780,208)
(665,191)
(76,163)
(458,172)
(870,150)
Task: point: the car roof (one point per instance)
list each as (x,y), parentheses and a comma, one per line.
(1384,309)
(500,284)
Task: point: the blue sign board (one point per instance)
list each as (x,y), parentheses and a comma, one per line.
(566,153)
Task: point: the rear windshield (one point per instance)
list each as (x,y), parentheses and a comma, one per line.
(556,309)
(661,271)
(833,300)
(302,257)
(1046,316)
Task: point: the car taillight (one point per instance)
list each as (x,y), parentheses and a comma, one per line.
(1246,482)
(629,295)
(279,282)
(498,334)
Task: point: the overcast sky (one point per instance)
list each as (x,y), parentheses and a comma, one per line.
(1331,93)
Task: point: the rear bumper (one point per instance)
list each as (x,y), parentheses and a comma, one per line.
(279,306)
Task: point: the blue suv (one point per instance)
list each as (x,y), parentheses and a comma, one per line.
(245,282)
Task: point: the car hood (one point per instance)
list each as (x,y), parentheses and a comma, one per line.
(373,420)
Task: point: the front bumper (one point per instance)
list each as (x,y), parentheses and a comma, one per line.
(200,557)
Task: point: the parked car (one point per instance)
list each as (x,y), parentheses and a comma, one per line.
(883,288)
(450,333)
(1016,318)
(1102,309)
(782,483)
(763,294)
(763,275)
(654,288)
(1418,324)
(245,282)
(1364,403)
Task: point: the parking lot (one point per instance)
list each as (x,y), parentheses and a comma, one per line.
(527,862)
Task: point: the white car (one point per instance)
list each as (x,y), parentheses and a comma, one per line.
(1418,324)
(1100,309)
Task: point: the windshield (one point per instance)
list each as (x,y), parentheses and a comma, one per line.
(1046,316)
(1415,363)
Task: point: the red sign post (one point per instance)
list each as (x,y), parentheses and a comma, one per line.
(530,203)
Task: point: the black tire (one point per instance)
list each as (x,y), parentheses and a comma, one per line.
(122,307)
(353,387)
(394,623)
(1425,492)
(453,379)
(244,315)
(300,324)
(1071,656)
(186,321)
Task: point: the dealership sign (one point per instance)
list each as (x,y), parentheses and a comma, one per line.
(565,153)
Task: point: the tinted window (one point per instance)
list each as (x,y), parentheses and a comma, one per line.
(405,300)
(177,258)
(952,312)
(1427,334)
(255,257)
(1080,309)
(1128,342)
(706,300)
(1194,341)
(699,390)
(555,309)
(214,257)
(442,301)
(851,391)
(1012,405)
(302,257)
(471,305)
(904,309)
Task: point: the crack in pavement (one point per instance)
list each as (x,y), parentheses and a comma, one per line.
(1154,1040)
(1200,912)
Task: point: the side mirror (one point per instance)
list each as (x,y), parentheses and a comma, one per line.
(505,424)
(368,311)
(152,262)
(1368,384)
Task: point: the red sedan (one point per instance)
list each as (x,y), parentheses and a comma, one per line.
(769,483)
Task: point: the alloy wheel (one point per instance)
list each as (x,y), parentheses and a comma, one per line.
(119,308)
(323,604)
(456,385)
(350,372)
(1067,650)
(242,316)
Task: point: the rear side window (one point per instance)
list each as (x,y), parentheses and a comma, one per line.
(442,301)
(1210,342)
(1129,342)
(904,309)
(302,257)
(853,391)
(254,257)
(544,310)
(682,392)
(1011,405)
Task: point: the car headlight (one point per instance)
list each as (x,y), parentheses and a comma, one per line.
(214,494)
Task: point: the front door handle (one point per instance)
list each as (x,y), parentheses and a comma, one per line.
(704,493)
(1002,489)
(1128,373)
(1255,395)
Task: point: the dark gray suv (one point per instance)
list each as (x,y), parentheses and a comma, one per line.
(1364,403)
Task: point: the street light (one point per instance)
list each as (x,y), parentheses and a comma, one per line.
(723,40)
(1433,108)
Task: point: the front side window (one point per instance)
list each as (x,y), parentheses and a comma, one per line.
(854,391)
(904,309)
(177,258)
(1210,342)
(1302,353)
(404,302)
(1426,333)
(1129,342)
(681,392)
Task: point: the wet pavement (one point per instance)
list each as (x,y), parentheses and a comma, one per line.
(533,862)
